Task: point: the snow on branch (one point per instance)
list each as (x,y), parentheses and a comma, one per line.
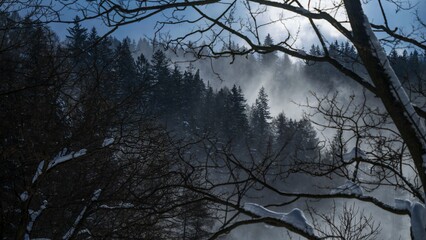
(417,216)
(58,159)
(295,218)
(353,154)
(118,206)
(79,218)
(107,142)
(349,188)
(64,157)
(24,196)
(398,90)
(33,217)
(38,171)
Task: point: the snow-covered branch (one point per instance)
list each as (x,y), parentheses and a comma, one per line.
(118,206)
(62,157)
(417,216)
(80,216)
(107,142)
(33,217)
(349,188)
(294,218)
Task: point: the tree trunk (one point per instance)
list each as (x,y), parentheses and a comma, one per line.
(385,85)
(395,100)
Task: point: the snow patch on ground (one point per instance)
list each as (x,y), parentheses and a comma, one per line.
(350,188)
(107,142)
(295,218)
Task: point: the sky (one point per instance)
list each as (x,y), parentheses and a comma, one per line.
(306,37)
(146,28)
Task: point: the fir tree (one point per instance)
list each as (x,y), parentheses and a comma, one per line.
(144,79)
(208,116)
(268,59)
(260,116)
(77,39)
(125,70)
(238,123)
(221,110)
(161,82)
(283,130)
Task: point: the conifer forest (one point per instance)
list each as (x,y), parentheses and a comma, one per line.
(226,122)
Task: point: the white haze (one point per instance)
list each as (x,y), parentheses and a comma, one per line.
(286,89)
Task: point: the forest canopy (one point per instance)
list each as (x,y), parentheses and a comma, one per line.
(156,138)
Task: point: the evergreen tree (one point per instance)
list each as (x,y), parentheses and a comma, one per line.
(192,93)
(305,141)
(77,40)
(238,123)
(334,49)
(197,93)
(260,117)
(144,79)
(125,71)
(268,59)
(161,82)
(283,130)
(177,95)
(337,147)
(100,59)
(413,62)
(187,94)
(100,51)
(208,116)
(221,110)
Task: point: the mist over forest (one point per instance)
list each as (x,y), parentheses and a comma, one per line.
(131,139)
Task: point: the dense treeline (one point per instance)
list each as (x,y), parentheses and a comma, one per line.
(80,154)
(96,131)
(85,148)
(409,66)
